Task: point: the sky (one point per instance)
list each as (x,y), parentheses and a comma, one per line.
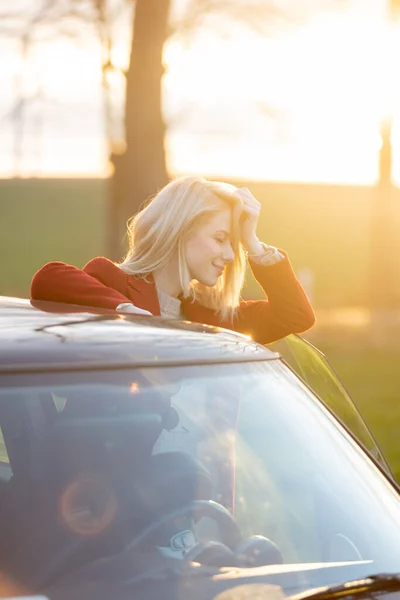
(304,104)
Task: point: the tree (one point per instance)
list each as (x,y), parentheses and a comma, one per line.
(383,260)
(141,168)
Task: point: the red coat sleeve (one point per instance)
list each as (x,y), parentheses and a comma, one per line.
(60,282)
(286,309)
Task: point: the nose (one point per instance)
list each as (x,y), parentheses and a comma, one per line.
(229,254)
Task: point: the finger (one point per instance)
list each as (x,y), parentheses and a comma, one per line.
(238,194)
(251,210)
(141,311)
(244,194)
(133,310)
(248,197)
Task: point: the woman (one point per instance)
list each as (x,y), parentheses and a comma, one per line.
(187,259)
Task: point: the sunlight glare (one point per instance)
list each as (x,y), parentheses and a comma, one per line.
(304,105)
(331,96)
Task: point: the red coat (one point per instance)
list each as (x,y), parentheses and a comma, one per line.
(102,284)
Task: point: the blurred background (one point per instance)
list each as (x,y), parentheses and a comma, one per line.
(102,101)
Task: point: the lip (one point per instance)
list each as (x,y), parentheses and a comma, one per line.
(219,269)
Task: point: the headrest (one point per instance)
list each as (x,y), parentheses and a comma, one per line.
(107,428)
(175,479)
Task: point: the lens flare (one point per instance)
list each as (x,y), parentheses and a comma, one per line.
(88,505)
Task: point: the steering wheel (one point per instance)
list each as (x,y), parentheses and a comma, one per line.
(198,509)
(230,534)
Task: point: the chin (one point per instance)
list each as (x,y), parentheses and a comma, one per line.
(208,281)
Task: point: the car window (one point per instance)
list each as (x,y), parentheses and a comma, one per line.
(315,370)
(3,450)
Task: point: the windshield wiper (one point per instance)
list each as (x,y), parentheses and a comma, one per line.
(381,582)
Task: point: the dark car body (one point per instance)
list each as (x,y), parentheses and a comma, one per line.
(151,458)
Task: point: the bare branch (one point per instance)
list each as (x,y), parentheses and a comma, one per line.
(256,13)
(8,31)
(262,16)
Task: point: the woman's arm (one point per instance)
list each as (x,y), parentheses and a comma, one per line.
(285,310)
(60,282)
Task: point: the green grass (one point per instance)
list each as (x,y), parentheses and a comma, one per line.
(58,220)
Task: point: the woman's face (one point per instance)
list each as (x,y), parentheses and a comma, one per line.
(209,249)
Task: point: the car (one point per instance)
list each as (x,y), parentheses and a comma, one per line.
(142,457)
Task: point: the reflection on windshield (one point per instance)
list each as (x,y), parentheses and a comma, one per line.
(114,461)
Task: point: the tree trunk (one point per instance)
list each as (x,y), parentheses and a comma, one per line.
(382,265)
(141,170)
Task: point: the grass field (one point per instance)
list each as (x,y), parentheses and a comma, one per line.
(325,228)
(59,220)
(372,378)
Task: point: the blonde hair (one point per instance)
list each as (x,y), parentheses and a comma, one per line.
(159,231)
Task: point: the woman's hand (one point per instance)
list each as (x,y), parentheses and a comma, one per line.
(249,221)
(128,307)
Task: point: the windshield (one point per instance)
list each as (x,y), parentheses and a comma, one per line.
(107,462)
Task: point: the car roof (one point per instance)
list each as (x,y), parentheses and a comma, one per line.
(37,336)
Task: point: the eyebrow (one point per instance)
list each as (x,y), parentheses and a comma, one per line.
(227,233)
